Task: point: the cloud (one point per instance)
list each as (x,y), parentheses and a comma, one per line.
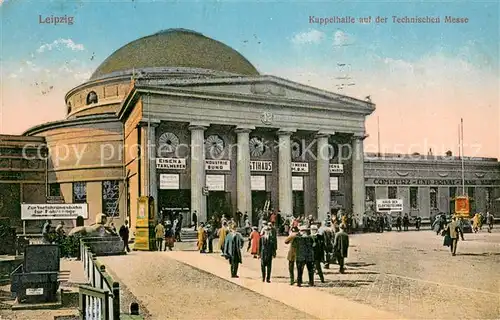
(311,36)
(64,43)
(12,75)
(341,38)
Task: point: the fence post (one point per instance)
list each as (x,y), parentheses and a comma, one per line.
(116,301)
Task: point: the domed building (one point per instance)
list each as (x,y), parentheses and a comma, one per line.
(222,137)
(188,121)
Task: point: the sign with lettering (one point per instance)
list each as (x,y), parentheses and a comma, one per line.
(54,211)
(169,181)
(215,182)
(334,183)
(336,168)
(258,183)
(390,205)
(298,183)
(430,182)
(171,163)
(55,199)
(217,165)
(261,166)
(462,207)
(300,167)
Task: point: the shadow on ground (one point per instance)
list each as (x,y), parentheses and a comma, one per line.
(484,254)
(359,264)
(344,283)
(5,296)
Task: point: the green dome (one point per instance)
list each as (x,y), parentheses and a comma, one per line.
(176,48)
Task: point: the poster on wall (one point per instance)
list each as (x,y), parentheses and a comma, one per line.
(169,181)
(215,182)
(298,183)
(334,183)
(258,183)
(462,206)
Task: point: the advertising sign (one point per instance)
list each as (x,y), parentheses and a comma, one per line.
(462,206)
(53,211)
(390,205)
(298,183)
(300,167)
(336,168)
(261,166)
(258,183)
(215,182)
(217,165)
(169,181)
(170,163)
(334,183)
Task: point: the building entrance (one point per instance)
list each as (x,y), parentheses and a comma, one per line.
(174,201)
(259,199)
(298,204)
(218,203)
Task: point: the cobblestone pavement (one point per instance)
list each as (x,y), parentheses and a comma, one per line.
(413,275)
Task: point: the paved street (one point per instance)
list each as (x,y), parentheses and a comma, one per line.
(407,274)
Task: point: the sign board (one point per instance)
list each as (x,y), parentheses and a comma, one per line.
(169,181)
(55,199)
(215,182)
(298,183)
(218,165)
(300,167)
(462,206)
(258,183)
(54,211)
(390,205)
(429,182)
(171,163)
(261,166)
(334,183)
(34,292)
(336,168)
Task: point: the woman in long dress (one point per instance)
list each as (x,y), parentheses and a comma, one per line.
(169,236)
(254,242)
(202,238)
(222,236)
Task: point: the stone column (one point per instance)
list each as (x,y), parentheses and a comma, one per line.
(149,186)
(243,184)
(285,197)
(152,178)
(198,200)
(322,176)
(358,179)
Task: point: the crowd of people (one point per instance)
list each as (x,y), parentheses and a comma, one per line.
(312,245)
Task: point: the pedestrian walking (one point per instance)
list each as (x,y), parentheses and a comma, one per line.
(267,253)
(292,253)
(124,233)
(490,220)
(319,251)
(304,256)
(202,238)
(222,237)
(253,242)
(195,219)
(452,231)
(341,247)
(232,250)
(160,234)
(169,236)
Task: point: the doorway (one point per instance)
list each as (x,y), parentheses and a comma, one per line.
(218,203)
(259,199)
(298,204)
(174,200)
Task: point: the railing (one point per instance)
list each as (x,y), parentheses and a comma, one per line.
(101,299)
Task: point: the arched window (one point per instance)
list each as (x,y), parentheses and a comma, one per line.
(91,97)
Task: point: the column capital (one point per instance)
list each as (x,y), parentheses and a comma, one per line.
(152,123)
(359,137)
(198,126)
(243,129)
(286,131)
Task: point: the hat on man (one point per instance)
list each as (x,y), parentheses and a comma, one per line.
(303,228)
(314,227)
(328,224)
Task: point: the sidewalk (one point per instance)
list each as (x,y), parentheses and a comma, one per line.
(308,300)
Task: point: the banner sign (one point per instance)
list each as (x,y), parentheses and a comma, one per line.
(54,211)
(261,166)
(169,181)
(300,167)
(390,205)
(336,168)
(218,165)
(462,206)
(170,163)
(215,182)
(429,182)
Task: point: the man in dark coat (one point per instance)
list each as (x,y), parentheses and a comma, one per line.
(341,246)
(328,235)
(179,227)
(124,234)
(273,233)
(232,250)
(304,256)
(267,253)
(319,251)
(418,222)
(292,253)
(195,220)
(406,222)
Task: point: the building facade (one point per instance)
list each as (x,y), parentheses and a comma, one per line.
(188,121)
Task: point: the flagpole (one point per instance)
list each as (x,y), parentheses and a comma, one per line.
(462,147)
(378,134)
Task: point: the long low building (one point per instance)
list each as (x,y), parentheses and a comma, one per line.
(189,122)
